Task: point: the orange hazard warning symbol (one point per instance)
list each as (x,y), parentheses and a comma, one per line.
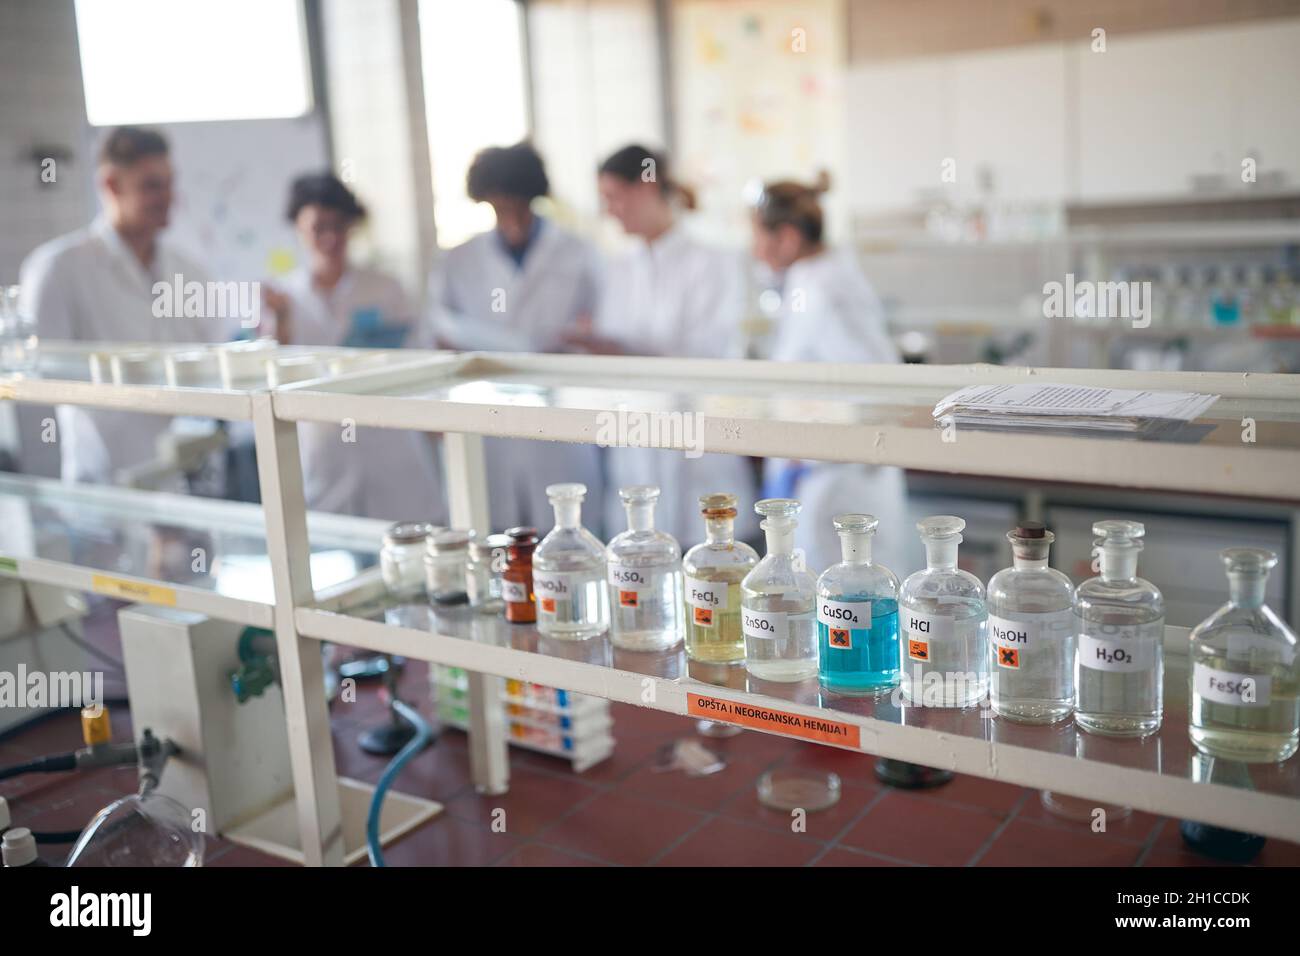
(840,637)
(548,605)
(704,616)
(1009,657)
(627,599)
(918,650)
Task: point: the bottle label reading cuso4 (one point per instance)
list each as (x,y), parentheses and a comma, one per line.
(850,614)
(764,624)
(1228,687)
(1122,649)
(1016,638)
(707,599)
(515,592)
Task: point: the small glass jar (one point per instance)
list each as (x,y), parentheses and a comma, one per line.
(517,578)
(401,558)
(487,559)
(445,559)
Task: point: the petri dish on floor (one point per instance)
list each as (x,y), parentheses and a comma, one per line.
(807,790)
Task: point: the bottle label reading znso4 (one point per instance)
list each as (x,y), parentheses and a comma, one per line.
(707,599)
(1227,687)
(1120,650)
(764,624)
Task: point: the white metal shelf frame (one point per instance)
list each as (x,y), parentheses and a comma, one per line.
(809,421)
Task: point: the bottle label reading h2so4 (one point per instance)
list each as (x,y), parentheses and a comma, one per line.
(1226,687)
(707,599)
(842,620)
(1121,650)
(631,583)
(764,624)
(1018,639)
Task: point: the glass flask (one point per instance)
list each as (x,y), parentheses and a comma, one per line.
(1031,632)
(1245,683)
(401,559)
(486,561)
(517,578)
(445,566)
(778,598)
(713,571)
(644,569)
(140,830)
(569,572)
(1120,623)
(943,618)
(857,615)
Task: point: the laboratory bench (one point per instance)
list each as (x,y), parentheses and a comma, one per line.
(849,413)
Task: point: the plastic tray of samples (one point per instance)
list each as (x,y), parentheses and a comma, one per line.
(536,697)
(591,719)
(584,752)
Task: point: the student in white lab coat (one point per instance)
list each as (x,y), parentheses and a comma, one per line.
(370,472)
(524,286)
(670,295)
(97,284)
(829,313)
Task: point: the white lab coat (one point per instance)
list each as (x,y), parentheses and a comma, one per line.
(677,297)
(89,286)
(482,300)
(830,313)
(385,473)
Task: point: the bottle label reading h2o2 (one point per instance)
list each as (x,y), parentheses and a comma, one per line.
(706,599)
(1120,650)
(1226,687)
(764,624)
(514,592)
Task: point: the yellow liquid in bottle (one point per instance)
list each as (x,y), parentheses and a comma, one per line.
(715,636)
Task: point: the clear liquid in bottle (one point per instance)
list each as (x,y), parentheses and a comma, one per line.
(569,572)
(778,598)
(645,578)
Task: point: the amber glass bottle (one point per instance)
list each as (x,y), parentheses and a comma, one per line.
(517,579)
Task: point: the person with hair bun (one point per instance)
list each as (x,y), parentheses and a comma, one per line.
(669,295)
(828,313)
(330,301)
(524,286)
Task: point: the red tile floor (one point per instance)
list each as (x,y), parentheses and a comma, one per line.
(623,812)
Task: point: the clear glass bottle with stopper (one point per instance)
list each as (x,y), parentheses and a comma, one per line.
(1031,632)
(1245,683)
(713,572)
(1120,623)
(857,615)
(644,569)
(569,572)
(942,614)
(778,598)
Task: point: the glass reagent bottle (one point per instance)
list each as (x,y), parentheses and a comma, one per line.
(778,598)
(569,572)
(857,615)
(713,571)
(644,568)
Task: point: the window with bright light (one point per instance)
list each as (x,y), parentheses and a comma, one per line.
(475,96)
(175,61)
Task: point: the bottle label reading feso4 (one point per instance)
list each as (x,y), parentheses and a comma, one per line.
(855,615)
(707,599)
(1121,650)
(1227,687)
(515,592)
(764,624)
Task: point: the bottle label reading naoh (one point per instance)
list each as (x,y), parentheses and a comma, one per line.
(1030,630)
(708,595)
(764,624)
(841,614)
(1227,687)
(1121,650)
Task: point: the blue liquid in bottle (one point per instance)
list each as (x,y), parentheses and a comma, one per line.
(862,660)
(857,616)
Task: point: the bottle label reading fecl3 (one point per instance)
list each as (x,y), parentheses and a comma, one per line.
(1226,687)
(764,624)
(707,599)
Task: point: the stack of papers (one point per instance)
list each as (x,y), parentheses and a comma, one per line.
(1073,407)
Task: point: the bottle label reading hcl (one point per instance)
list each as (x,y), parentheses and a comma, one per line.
(764,624)
(1122,651)
(920,629)
(1226,687)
